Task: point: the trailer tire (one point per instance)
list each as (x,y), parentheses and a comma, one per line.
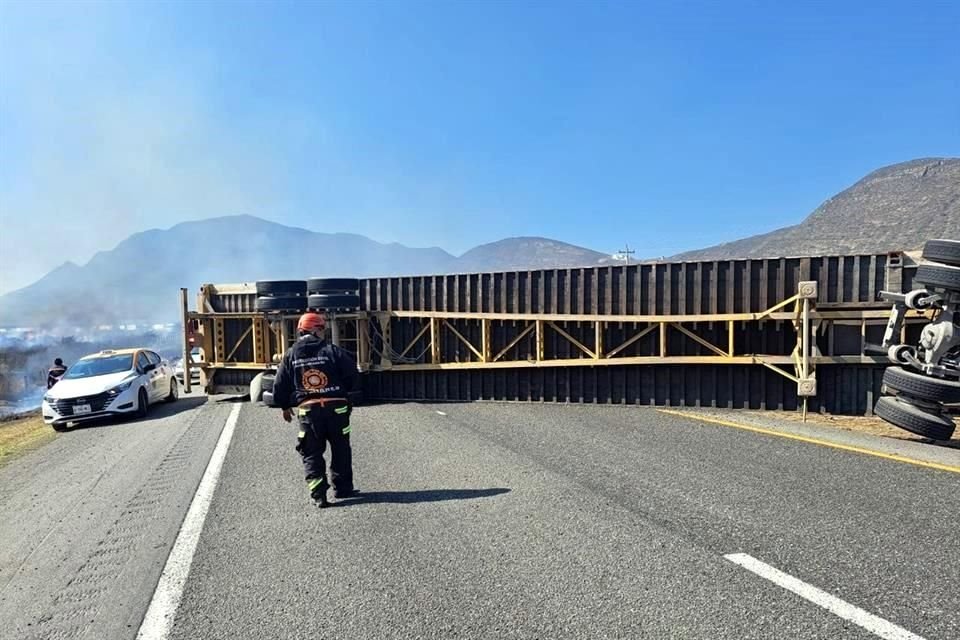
(938,276)
(333,285)
(914,419)
(333,301)
(920,386)
(281,288)
(944,251)
(281,303)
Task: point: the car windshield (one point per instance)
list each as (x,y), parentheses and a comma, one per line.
(100,367)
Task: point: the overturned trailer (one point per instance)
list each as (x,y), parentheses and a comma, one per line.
(783,333)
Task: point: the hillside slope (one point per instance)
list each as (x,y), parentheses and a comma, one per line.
(892,209)
(527,253)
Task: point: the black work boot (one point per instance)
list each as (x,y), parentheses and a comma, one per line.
(318,492)
(320,499)
(342,494)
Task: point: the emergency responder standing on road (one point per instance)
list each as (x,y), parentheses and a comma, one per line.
(315,379)
(55,373)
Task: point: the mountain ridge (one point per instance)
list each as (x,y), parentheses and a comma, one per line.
(894,208)
(125,283)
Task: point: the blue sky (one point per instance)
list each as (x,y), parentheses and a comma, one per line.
(670,125)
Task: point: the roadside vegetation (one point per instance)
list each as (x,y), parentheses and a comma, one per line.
(21,434)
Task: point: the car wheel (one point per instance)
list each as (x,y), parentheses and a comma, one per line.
(282,288)
(914,419)
(143,403)
(333,285)
(938,276)
(945,251)
(174,391)
(333,301)
(920,386)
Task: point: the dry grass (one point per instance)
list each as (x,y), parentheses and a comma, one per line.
(872,426)
(23,434)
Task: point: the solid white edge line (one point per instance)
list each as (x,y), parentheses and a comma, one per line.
(162,611)
(833,604)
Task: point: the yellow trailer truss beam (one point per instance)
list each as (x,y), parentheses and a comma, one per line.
(500,345)
(510,345)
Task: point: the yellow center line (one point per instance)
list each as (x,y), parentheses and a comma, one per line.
(825,443)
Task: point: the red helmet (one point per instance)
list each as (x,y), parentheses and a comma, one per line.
(311,322)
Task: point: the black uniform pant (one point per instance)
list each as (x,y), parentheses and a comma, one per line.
(320,424)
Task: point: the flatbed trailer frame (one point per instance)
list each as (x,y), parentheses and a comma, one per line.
(237,345)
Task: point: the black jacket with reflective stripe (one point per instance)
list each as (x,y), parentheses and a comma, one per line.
(314,368)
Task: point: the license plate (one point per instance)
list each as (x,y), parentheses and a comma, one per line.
(80,409)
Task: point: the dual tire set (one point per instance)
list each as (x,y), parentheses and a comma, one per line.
(315,294)
(917,400)
(298,296)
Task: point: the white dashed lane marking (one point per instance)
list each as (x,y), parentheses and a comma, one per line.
(874,624)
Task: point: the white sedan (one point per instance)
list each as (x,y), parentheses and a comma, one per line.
(195,356)
(109,383)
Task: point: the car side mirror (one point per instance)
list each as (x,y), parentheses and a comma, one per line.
(150,367)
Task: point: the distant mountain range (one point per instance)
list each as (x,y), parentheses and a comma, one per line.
(138,281)
(894,208)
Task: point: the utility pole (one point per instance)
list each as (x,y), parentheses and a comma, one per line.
(625,253)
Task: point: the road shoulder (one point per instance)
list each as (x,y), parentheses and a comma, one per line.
(773,424)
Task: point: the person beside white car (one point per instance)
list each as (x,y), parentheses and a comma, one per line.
(109,383)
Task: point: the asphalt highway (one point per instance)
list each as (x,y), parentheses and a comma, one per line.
(478,521)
